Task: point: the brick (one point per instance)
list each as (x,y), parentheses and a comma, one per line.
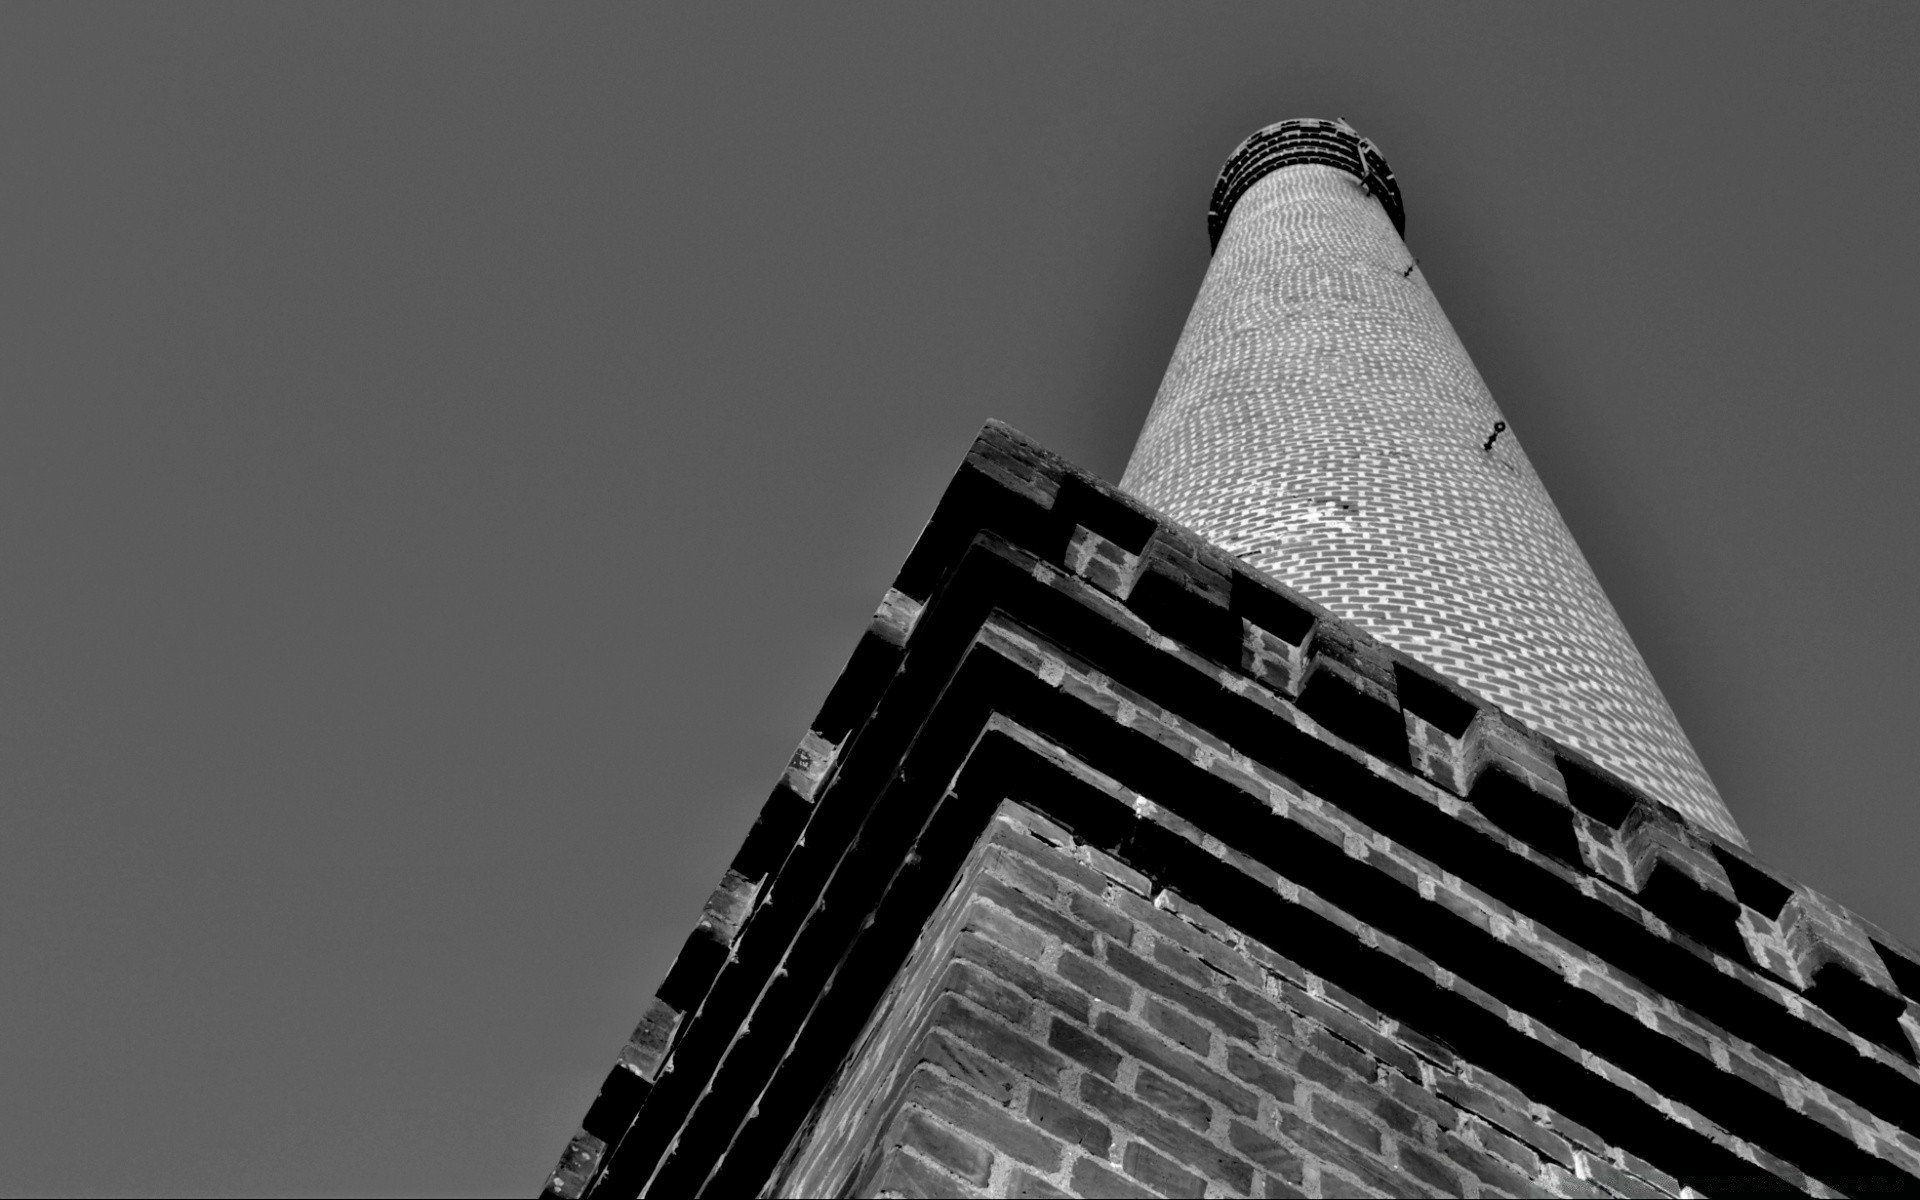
(1475,1100)
(1068,1123)
(1261,1074)
(971,1162)
(1614,1179)
(1647,1171)
(1261,1008)
(1109,867)
(970,1067)
(1092,1179)
(1101,916)
(1427,1048)
(1024,873)
(1357,1032)
(1340,1120)
(1025,1186)
(1341,1053)
(1196,1075)
(1180,1027)
(1280,1189)
(1826,1116)
(1046,858)
(1178,1103)
(1385,1109)
(1430,1170)
(1036,914)
(1195,1001)
(1328,1148)
(1485,1167)
(1319,1070)
(1089,978)
(1085,1049)
(1276,1158)
(1513,1151)
(1209,949)
(1185,965)
(1335,1186)
(905,1175)
(1160,1175)
(1001,927)
(1494,1085)
(1041,833)
(1164,1133)
(1574,1131)
(1278,966)
(1021,1053)
(965,979)
(1009,969)
(1351,1003)
(969,1113)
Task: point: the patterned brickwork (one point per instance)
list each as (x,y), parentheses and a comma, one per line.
(1077,1033)
(1321,420)
(1113,867)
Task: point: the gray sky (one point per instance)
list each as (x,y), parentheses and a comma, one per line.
(446,454)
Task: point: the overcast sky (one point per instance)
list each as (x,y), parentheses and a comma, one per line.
(446,454)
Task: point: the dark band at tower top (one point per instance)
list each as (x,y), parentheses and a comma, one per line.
(1296,141)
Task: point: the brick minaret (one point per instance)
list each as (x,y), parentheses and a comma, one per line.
(1315,833)
(1321,420)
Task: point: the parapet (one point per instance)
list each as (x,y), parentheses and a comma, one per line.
(1291,143)
(1111,864)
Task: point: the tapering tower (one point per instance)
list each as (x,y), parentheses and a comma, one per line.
(1321,420)
(1123,860)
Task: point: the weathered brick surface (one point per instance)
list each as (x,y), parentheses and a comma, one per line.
(1071,1020)
(1173,1089)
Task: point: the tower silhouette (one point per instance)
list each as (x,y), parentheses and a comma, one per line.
(1321,420)
(1296,821)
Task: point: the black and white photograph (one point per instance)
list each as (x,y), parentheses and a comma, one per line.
(857,600)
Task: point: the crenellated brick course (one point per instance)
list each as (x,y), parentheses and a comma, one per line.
(1080,888)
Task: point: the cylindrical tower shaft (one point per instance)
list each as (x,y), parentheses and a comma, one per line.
(1321,420)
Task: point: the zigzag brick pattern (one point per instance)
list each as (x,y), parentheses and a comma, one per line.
(1321,420)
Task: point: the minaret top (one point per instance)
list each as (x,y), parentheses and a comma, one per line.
(1303,140)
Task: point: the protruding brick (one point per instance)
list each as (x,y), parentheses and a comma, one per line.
(651,1040)
(808,767)
(894,620)
(578,1162)
(727,908)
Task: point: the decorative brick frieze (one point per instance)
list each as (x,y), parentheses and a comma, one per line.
(1083,905)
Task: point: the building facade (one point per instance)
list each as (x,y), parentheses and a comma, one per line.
(1296,820)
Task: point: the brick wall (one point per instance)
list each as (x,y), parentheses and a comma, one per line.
(1111,864)
(1071,1033)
